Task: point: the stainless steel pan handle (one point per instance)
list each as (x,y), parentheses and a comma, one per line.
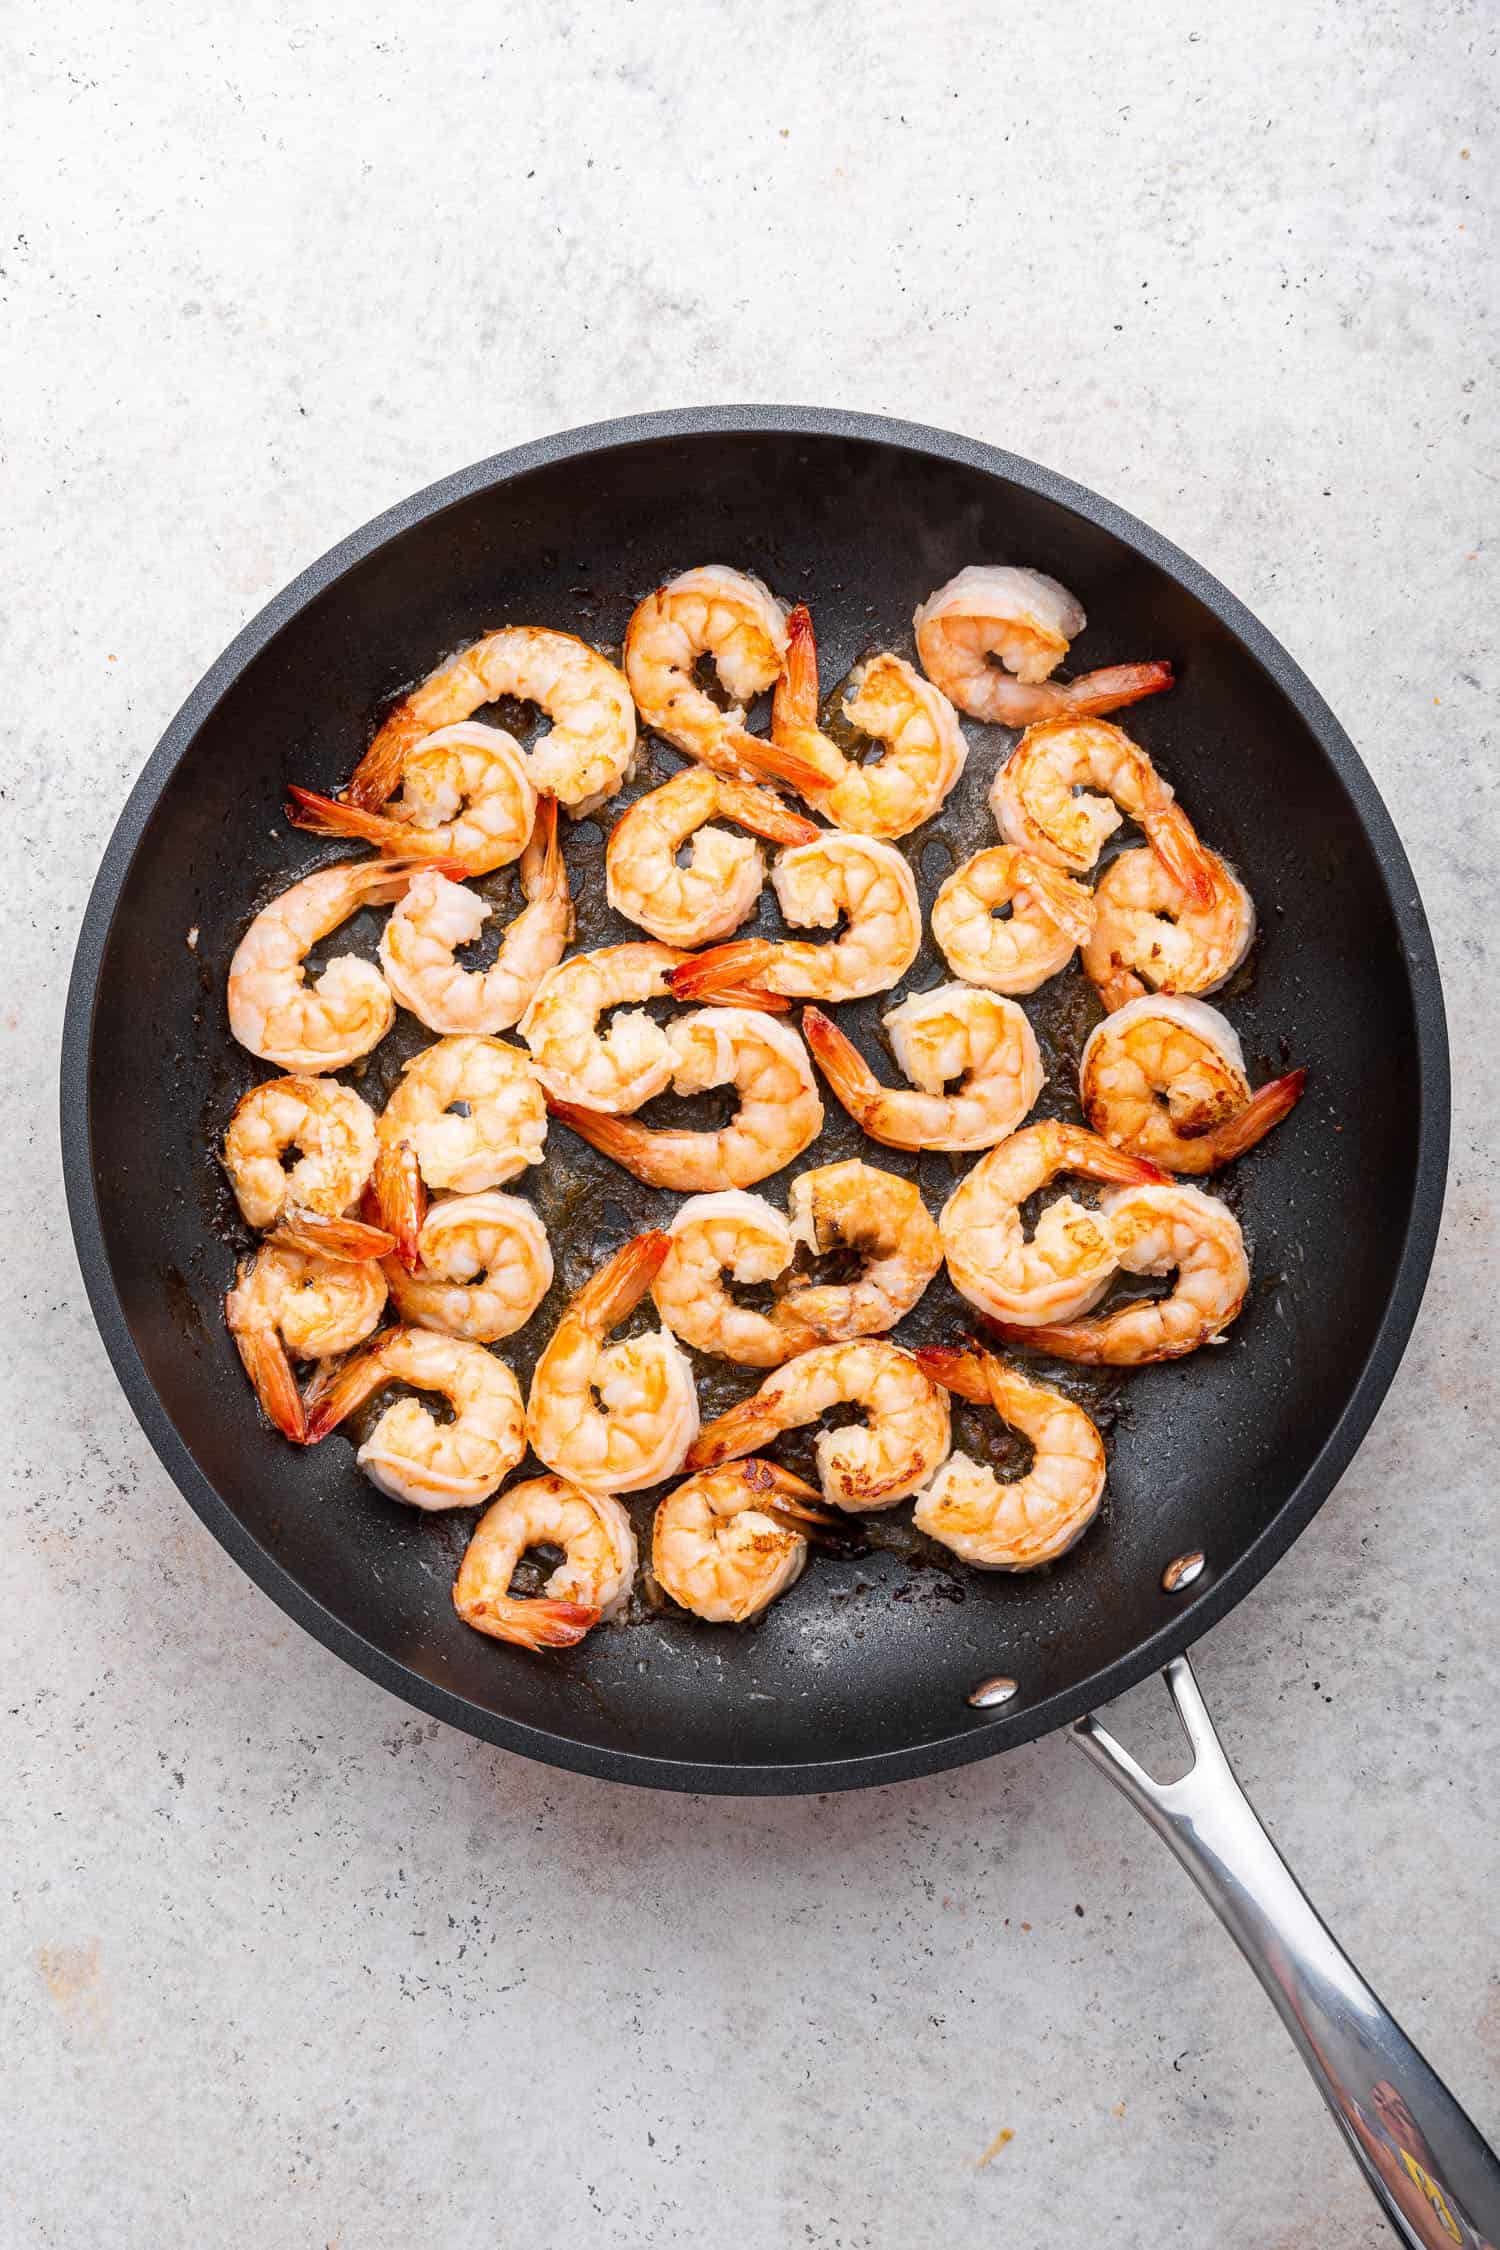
(1436,2179)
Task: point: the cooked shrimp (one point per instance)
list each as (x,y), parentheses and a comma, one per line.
(285,1306)
(732,618)
(954,1032)
(1065,787)
(613,1417)
(1159,1230)
(1164,1078)
(581,761)
(331,1129)
(1049,915)
(592,1581)
(1036,1517)
(779,1115)
(856,880)
(485,1266)
(726,1543)
(1151,935)
(868,1211)
(274,1011)
(881,1217)
(922,744)
(465,795)
(1068,1263)
(1025,621)
(436,917)
(865,1466)
(425,1141)
(721,882)
(621,1068)
(430,1464)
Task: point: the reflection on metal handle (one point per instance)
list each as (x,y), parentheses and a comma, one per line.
(1435,2178)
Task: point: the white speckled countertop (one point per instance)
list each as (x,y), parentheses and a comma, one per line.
(288,1965)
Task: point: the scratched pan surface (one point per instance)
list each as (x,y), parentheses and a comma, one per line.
(860,1674)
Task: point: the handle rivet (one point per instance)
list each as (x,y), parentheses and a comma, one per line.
(991,1692)
(1183,1571)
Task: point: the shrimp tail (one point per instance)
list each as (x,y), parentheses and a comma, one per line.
(538,1624)
(842,1064)
(1023,703)
(743,1429)
(1185,857)
(1068,903)
(334,816)
(961,1372)
(379,771)
(1084,1341)
(1115,686)
(316,1237)
(401,1199)
(544,873)
(781,761)
(762,812)
(360,1376)
(270,1371)
(1080,1151)
(619,1137)
(725,974)
(1266,1107)
(613,1293)
(794,706)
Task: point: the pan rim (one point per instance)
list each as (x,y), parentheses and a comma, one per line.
(975,1736)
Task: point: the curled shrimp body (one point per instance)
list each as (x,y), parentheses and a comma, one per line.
(955,1032)
(727,1542)
(436,917)
(592,1582)
(408,1454)
(1049,915)
(1069,1260)
(851,1204)
(735,620)
(465,796)
(425,1142)
(923,750)
(1159,1230)
(275,1011)
(865,1466)
(721,883)
(484,1266)
(1065,787)
(856,880)
(1164,1078)
(780,1113)
(613,1417)
(1036,1517)
(619,1069)
(581,761)
(992,637)
(1152,935)
(286,1306)
(333,1132)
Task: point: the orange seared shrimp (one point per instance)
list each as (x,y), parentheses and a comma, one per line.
(1034,1518)
(1164,1078)
(992,637)
(923,750)
(592,1582)
(1065,788)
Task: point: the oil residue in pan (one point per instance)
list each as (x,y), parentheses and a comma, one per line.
(589,1206)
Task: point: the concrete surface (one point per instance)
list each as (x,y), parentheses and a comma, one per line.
(286,1965)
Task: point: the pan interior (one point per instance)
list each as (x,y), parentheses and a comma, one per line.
(875,1652)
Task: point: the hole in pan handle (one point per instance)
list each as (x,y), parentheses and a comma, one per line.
(1431,2171)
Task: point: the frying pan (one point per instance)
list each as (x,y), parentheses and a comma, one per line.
(868,1673)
